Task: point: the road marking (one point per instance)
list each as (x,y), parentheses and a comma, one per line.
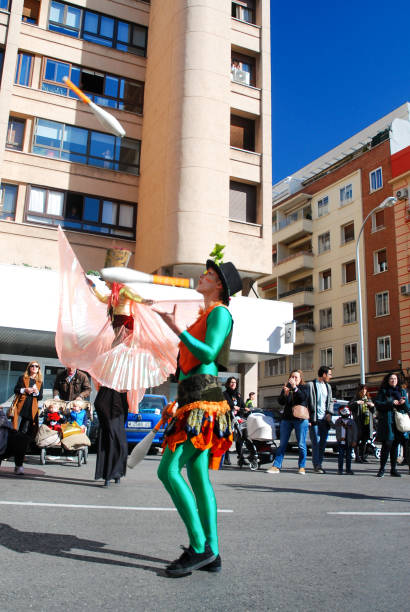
(372,513)
(93,507)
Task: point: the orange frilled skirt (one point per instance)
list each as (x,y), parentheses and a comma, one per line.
(206,423)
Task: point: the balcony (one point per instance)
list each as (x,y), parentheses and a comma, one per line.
(297,262)
(303,296)
(291,229)
(245,165)
(305,334)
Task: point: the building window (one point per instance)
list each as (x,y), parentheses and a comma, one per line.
(325,280)
(325,318)
(242,133)
(382,304)
(326,357)
(15,134)
(8,199)
(380,261)
(4,5)
(378,221)
(324,242)
(301,361)
(23,69)
(75,144)
(81,212)
(349,313)
(243,69)
(346,194)
(97,28)
(376,179)
(31,10)
(242,202)
(244,10)
(383,348)
(323,207)
(351,357)
(1,61)
(349,272)
(347,232)
(104,89)
(275,367)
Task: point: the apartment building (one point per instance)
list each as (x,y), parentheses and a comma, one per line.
(317,217)
(190,83)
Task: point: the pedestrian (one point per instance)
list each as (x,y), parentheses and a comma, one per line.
(320,407)
(346,436)
(238,410)
(71,384)
(12,444)
(28,392)
(294,398)
(362,409)
(201,430)
(391,397)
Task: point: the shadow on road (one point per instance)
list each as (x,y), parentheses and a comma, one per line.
(342,494)
(40,476)
(61,545)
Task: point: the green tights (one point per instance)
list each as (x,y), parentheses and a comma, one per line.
(196,507)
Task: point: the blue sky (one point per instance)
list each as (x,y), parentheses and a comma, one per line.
(336,68)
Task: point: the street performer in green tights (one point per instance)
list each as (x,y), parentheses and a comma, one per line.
(200,431)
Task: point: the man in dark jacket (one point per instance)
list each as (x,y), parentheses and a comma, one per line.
(320,408)
(71,384)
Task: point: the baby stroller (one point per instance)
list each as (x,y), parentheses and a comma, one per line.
(261,433)
(72,443)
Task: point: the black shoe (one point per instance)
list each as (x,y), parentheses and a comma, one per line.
(189,561)
(214,566)
(242,461)
(380,474)
(395,473)
(359,460)
(350,472)
(117,480)
(106,483)
(340,472)
(365,460)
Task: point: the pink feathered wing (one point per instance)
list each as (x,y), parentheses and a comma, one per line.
(142,358)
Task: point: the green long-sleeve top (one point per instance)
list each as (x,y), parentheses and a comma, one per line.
(218,327)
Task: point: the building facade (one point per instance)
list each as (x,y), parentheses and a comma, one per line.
(317,217)
(189,81)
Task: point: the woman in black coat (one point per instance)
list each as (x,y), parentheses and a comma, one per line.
(294,393)
(391,397)
(362,409)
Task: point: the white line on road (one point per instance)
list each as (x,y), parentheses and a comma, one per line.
(92,507)
(372,513)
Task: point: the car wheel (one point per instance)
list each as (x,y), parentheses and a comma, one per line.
(43,456)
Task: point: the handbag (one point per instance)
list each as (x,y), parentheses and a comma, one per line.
(300,412)
(402,421)
(47,437)
(10,411)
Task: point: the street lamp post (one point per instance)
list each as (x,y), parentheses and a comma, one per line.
(390,201)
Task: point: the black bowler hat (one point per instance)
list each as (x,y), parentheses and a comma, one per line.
(229,277)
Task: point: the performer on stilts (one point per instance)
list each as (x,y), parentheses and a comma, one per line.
(200,431)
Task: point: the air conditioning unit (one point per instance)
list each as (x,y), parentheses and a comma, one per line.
(240,76)
(402,194)
(405,289)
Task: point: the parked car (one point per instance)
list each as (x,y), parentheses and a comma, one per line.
(138,425)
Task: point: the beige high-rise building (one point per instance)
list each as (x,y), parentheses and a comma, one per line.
(189,80)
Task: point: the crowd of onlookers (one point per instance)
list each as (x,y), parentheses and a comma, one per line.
(306,409)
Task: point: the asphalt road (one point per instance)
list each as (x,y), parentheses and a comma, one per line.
(66,543)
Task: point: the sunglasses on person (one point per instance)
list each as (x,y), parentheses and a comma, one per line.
(34,365)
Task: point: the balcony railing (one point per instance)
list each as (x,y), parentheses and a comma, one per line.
(305,327)
(289,220)
(293,256)
(293,291)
